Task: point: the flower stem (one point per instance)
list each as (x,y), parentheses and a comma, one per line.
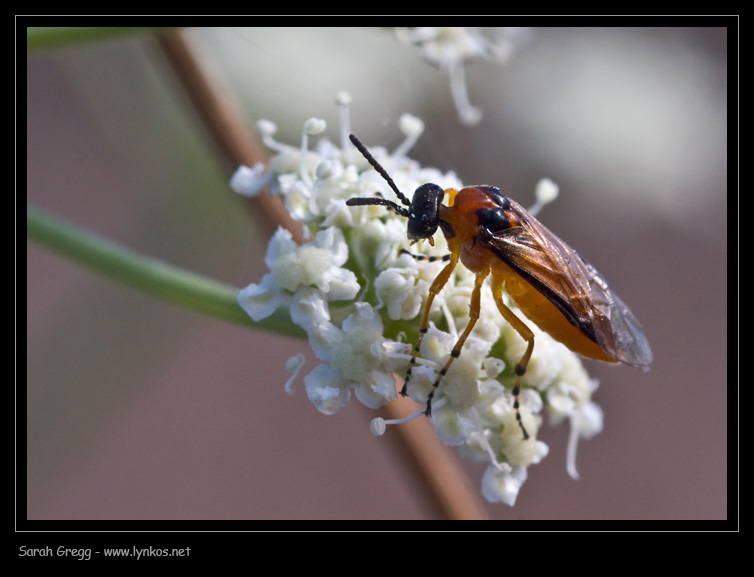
(52,37)
(152,276)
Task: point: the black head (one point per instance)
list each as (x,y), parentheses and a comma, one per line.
(423,212)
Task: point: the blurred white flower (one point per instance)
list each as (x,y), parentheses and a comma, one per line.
(451,48)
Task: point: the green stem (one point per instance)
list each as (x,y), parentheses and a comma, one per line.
(157,278)
(44,37)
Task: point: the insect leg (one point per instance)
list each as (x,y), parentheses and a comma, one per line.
(434,290)
(526,334)
(445,258)
(474,308)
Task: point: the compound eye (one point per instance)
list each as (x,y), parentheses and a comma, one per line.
(424,212)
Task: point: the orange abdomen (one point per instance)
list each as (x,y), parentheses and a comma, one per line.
(538,308)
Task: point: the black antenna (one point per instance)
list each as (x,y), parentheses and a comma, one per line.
(378,167)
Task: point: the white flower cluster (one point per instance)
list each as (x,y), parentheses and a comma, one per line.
(358,298)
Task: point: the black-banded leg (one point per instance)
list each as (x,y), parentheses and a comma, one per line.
(474,308)
(526,334)
(445,258)
(434,290)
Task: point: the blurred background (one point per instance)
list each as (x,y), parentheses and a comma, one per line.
(139,410)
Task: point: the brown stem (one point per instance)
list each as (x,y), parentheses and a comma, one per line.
(436,464)
(224,121)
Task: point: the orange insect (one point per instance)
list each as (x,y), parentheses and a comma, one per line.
(550,282)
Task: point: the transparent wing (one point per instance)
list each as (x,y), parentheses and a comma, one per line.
(573,285)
